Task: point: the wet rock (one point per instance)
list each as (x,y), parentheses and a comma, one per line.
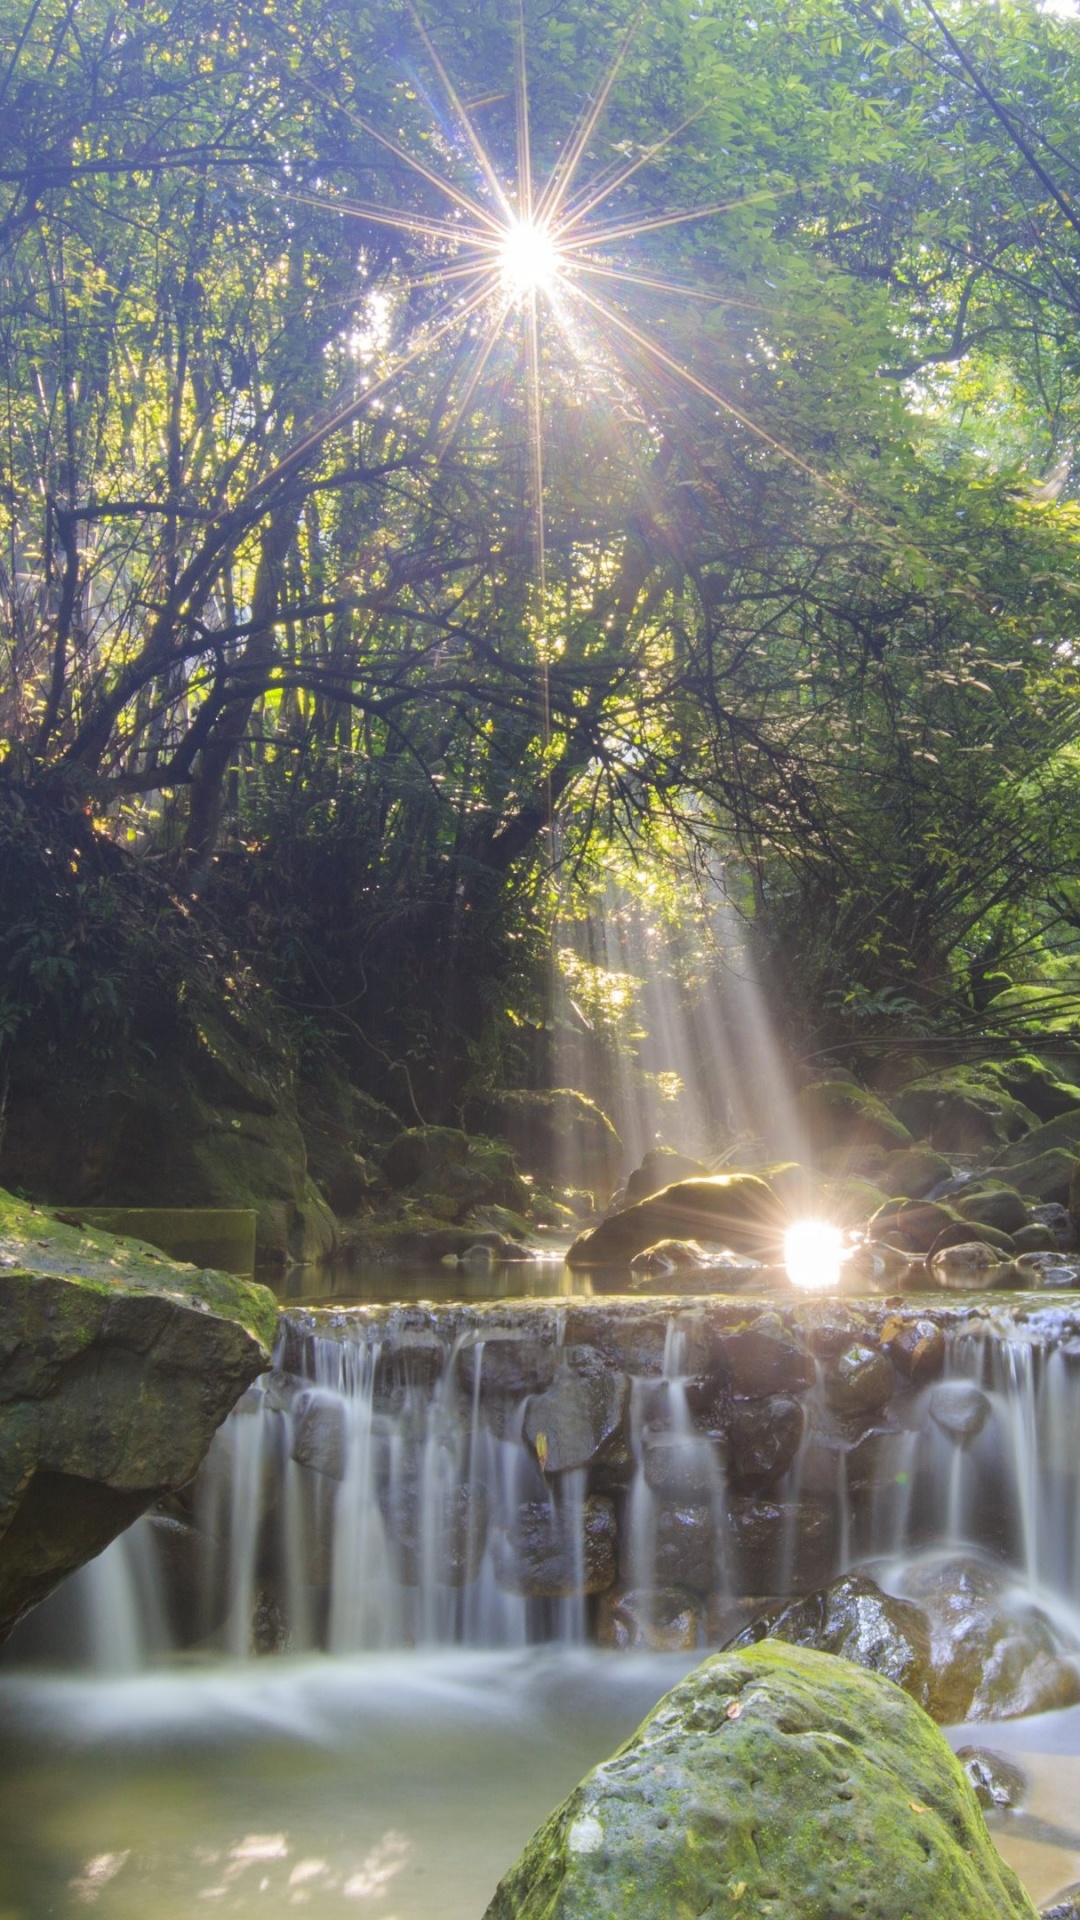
(826,1327)
(913,1224)
(855,1619)
(736,1210)
(507,1364)
(1066,1905)
(1000,1207)
(442,1536)
(839,1115)
(772,1545)
(580,1414)
(971,1263)
(320,1437)
(993,1657)
(669,1256)
(1049,1270)
(966,1233)
(117,1365)
(959,1409)
(763,1438)
(1035,1239)
(997,1782)
(775,1780)
(762,1358)
(661,1619)
(684,1548)
(1059,1221)
(553,1553)
(681,1463)
(916,1348)
(859,1381)
(660,1168)
(412,1364)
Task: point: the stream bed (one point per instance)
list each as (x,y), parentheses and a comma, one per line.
(391,1787)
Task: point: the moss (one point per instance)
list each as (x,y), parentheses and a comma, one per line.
(775,1782)
(39,1241)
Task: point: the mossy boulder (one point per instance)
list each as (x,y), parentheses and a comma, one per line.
(913,1172)
(559,1136)
(1046,1176)
(772,1781)
(838,1116)
(736,1210)
(660,1168)
(117,1365)
(1034,1083)
(959,1111)
(996,1206)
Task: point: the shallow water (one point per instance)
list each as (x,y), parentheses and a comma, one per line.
(395,1787)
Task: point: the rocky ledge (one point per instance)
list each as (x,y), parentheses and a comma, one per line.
(117,1365)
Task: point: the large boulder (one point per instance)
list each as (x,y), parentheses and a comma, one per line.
(770,1781)
(841,1117)
(737,1210)
(960,1111)
(117,1365)
(660,1168)
(559,1136)
(1031,1081)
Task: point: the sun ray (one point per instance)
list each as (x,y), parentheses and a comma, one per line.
(524,141)
(625,274)
(564,171)
(632,229)
(479,151)
(407,222)
(488,342)
(597,192)
(655,351)
(433,336)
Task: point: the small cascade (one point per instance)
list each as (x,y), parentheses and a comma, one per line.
(638,1473)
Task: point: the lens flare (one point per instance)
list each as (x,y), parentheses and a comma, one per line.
(528,258)
(813,1255)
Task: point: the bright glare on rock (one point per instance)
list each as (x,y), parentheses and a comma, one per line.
(528,258)
(813,1253)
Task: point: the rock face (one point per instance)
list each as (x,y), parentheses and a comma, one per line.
(738,1209)
(772,1781)
(117,1365)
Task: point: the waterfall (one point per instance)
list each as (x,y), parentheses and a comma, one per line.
(491,1479)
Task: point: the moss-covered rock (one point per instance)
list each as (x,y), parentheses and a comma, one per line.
(913,1172)
(1031,1081)
(1045,1176)
(738,1210)
(839,1115)
(959,1111)
(772,1781)
(117,1365)
(660,1168)
(559,1136)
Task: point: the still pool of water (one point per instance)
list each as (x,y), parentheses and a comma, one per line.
(394,1787)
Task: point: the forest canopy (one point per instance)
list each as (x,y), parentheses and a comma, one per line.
(376,601)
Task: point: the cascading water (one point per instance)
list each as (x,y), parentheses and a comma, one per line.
(488,1481)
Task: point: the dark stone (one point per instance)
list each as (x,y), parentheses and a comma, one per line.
(1001,1207)
(959,1113)
(915,1224)
(838,1115)
(737,1210)
(770,1544)
(457,1528)
(685,1548)
(661,1619)
(547,1553)
(763,1438)
(763,1358)
(997,1782)
(660,1168)
(679,1463)
(992,1658)
(508,1364)
(1066,1906)
(859,1381)
(967,1233)
(581,1413)
(319,1433)
(916,1348)
(856,1620)
(959,1409)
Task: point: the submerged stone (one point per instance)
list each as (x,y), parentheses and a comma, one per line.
(960,1409)
(773,1781)
(998,1782)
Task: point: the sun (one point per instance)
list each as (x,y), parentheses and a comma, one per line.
(528,257)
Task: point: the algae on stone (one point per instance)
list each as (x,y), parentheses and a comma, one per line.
(771,1782)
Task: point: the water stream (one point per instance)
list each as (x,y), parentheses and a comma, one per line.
(374,1517)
